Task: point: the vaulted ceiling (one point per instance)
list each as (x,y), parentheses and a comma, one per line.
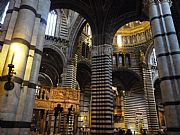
(104,15)
(126,79)
(83,74)
(51,68)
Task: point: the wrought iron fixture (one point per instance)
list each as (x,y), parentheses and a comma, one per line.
(9,85)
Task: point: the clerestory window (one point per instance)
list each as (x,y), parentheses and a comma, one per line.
(4,14)
(51,23)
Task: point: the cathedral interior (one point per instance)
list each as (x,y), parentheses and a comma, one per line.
(89,67)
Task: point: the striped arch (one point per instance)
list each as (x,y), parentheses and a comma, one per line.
(148,52)
(59,51)
(83,74)
(127,79)
(73,35)
(63,33)
(45,79)
(156,77)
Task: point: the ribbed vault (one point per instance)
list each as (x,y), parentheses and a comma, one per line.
(84,76)
(127,80)
(51,67)
(104,16)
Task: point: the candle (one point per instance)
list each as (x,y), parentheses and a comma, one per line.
(12,58)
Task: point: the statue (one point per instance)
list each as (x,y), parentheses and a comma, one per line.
(142,59)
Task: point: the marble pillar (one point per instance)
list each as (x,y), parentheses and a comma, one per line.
(17,56)
(168,55)
(101,88)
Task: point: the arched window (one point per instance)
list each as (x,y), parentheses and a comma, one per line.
(4,14)
(153,60)
(121,59)
(128,60)
(51,23)
(115,59)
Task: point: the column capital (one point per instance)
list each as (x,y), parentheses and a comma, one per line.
(104,49)
(157,1)
(153,1)
(104,38)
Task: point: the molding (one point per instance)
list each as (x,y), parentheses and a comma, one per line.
(104,49)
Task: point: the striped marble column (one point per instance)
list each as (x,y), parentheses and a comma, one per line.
(32,79)
(101,88)
(168,55)
(75,71)
(153,125)
(133,105)
(69,78)
(17,55)
(84,110)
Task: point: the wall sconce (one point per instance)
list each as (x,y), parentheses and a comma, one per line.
(9,85)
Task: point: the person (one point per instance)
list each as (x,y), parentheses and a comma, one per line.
(120,132)
(160,132)
(124,132)
(128,132)
(142,57)
(164,132)
(144,132)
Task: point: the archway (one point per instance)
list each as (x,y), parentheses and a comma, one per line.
(129,101)
(84,81)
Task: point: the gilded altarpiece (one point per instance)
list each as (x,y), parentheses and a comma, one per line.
(64,96)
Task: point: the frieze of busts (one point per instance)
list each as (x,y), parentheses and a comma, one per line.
(102,50)
(64,94)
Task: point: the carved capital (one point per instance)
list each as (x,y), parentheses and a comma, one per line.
(105,49)
(100,39)
(152,1)
(157,1)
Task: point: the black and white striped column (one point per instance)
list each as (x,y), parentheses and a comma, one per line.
(84,110)
(153,125)
(101,87)
(168,56)
(69,77)
(135,104)
(17,55)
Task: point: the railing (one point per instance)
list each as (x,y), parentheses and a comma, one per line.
(48,98)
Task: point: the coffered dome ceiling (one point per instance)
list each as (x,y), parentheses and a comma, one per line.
(133,28)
